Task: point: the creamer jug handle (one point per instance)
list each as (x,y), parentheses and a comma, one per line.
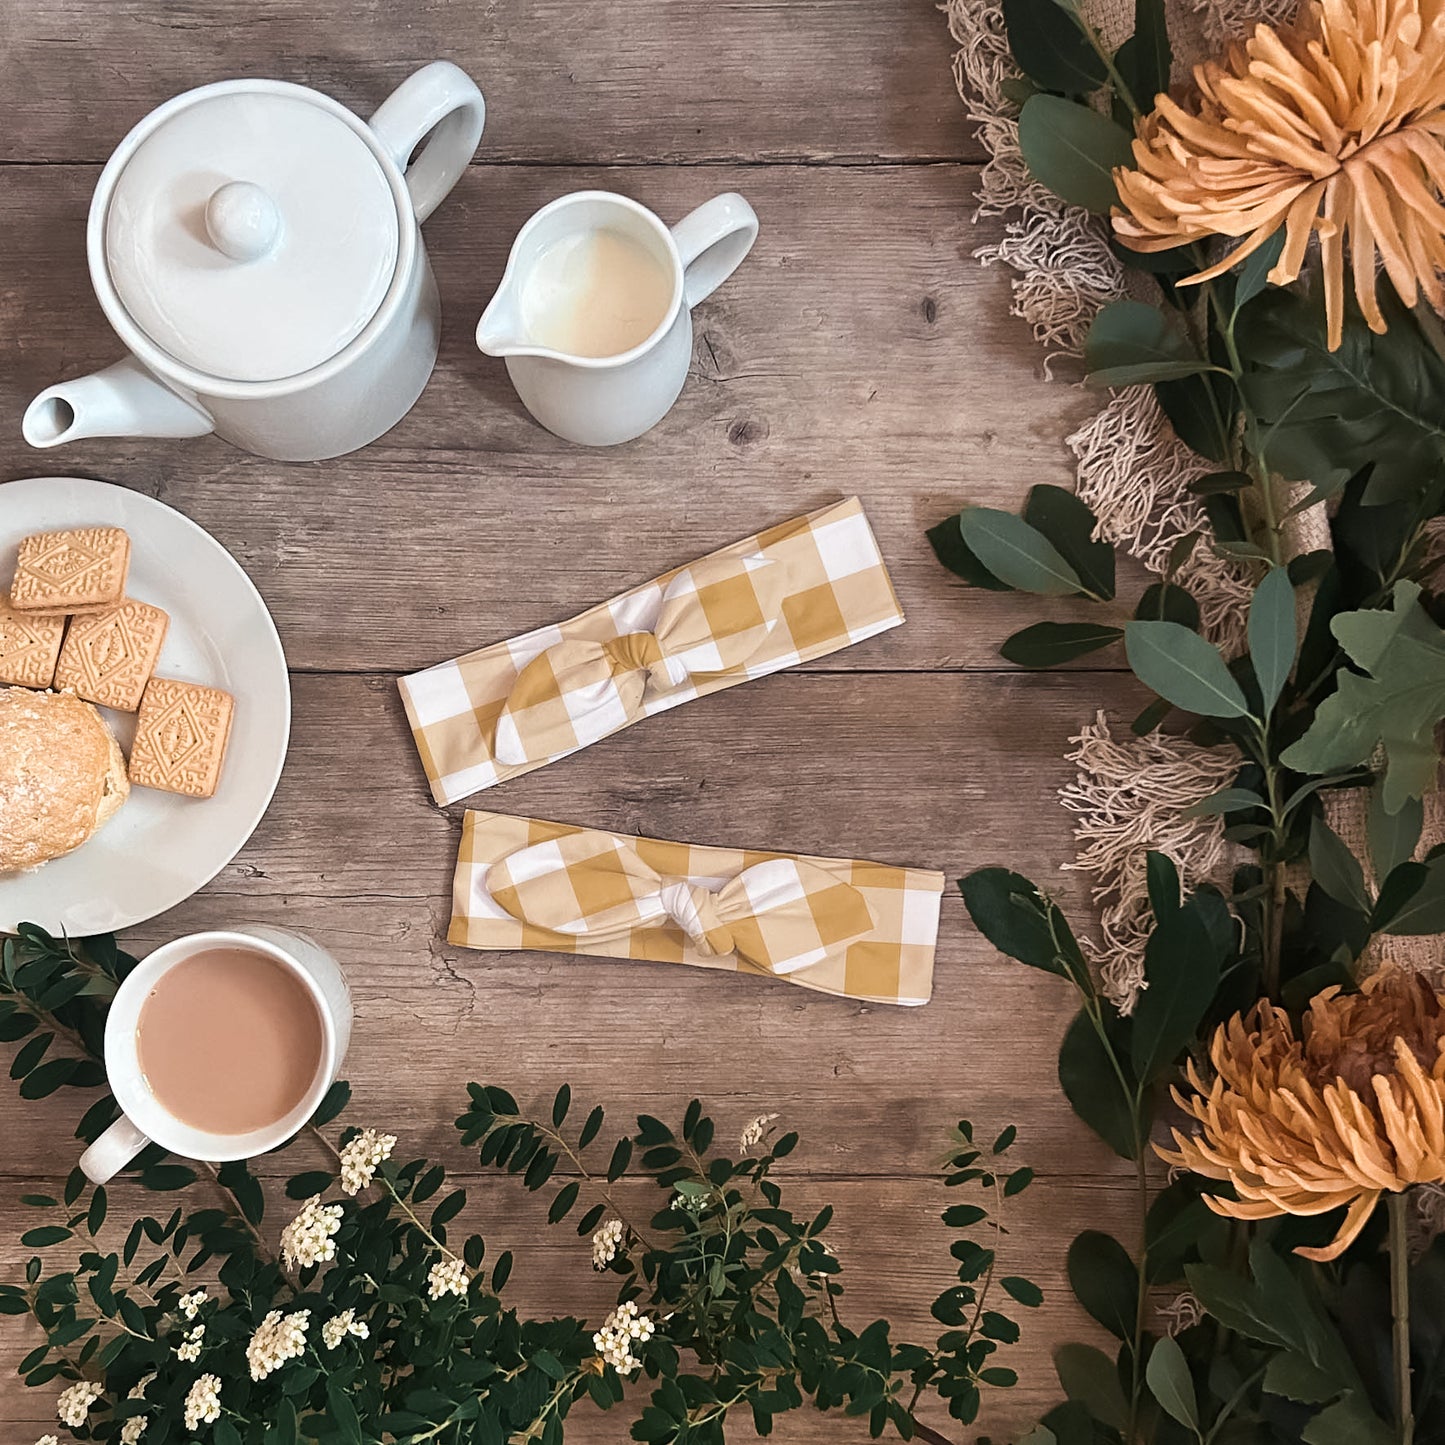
(440,100)
(712,242)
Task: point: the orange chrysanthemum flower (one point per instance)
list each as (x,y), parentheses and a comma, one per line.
(1332,125)
(1350,1111)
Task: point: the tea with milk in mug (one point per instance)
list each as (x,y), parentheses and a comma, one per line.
(595,293)
(229,1041)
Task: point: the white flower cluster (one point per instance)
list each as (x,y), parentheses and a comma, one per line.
(278,1338)
(48,1440)
(753,1134)
(623,1328)
(135,1427)
(359,1159)
(74,1403)
(189,1349)
(606,1243)
(190,1304)
(307,1239)
(203,1403)
(339,1326)
(447,1276)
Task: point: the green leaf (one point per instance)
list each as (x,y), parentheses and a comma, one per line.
(1092,1087)
(1105,1281)
(1089,1376)
(1335,868)
(1397,705)
(1181,666)
(1017,553)
(1132,342)
(313,1181)
(1325,415)
(1167,1375)
(1168,602)
(1050,48)
(336,1098)
(560,1105)
(562,1204)
(1161,878)
(1181,969)
(1144,59)
(46,1234)
(1393,836)
(1251,276)
(1226,800)
(1215,484)
(1348,1422)
(953,552)
(41,1082)
(1026,1292)
(1295,1378)
(1069,524)
(1073,150)
(1423,912)
(1021,922)
(1047,644)
(1272,637)
(1396,894)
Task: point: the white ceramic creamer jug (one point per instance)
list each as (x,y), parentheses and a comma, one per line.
(258,249)
(595,394)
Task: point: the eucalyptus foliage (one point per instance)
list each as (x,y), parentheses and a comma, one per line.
(742,1294)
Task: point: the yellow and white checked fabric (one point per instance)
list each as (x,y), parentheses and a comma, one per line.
(792,593)
(855,929)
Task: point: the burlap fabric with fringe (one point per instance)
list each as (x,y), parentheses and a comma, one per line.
(1130,793)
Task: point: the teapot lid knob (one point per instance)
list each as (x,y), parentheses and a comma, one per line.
(242,221)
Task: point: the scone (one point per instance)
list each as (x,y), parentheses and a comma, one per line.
(62,775)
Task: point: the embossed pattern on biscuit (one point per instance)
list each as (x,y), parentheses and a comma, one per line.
(180,737)
(29,646)
(79,570)
(109,656)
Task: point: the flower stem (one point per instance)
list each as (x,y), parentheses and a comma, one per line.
(1397,1205)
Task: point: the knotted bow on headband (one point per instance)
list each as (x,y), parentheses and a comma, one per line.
(842,926)
(714,616)
(776,916)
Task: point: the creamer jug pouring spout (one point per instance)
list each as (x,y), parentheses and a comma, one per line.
(593,313)
(257,247)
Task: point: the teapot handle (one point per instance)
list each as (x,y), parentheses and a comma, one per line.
(440,100)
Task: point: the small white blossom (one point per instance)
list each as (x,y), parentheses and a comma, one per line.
(74,1403)
(623,1328)
(189,1349)
(447,1276)
(47,1440)
(190,1304)
(359,1159)
(278,1338)
(606,1243)
(203,1403)
(753,1134)
(308,1238)
(133,1429)
(337,1328)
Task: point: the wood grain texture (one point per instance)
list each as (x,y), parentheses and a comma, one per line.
(859,350)
(638,81)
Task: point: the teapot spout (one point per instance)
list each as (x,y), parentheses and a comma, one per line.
(124,400)
(499,332)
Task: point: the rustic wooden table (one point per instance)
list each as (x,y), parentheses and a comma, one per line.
(859,350)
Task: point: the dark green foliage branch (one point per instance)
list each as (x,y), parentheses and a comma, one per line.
(746,1295)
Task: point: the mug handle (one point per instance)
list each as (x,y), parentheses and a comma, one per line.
(712,242)
(440,97)
(112,1151)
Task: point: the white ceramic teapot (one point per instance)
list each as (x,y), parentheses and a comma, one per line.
(258,248)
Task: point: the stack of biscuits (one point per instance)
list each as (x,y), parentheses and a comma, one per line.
(71,641)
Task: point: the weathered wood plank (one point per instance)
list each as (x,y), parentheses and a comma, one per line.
(616,80)
(860,350)
(951,771)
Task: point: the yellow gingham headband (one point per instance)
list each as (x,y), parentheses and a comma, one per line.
(859,930)
(787,595)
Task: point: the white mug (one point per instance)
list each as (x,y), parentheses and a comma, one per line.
(602,400)
(144,1120)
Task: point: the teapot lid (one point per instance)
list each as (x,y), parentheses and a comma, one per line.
(251,233)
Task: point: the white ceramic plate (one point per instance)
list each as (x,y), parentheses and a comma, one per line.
(160,847)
